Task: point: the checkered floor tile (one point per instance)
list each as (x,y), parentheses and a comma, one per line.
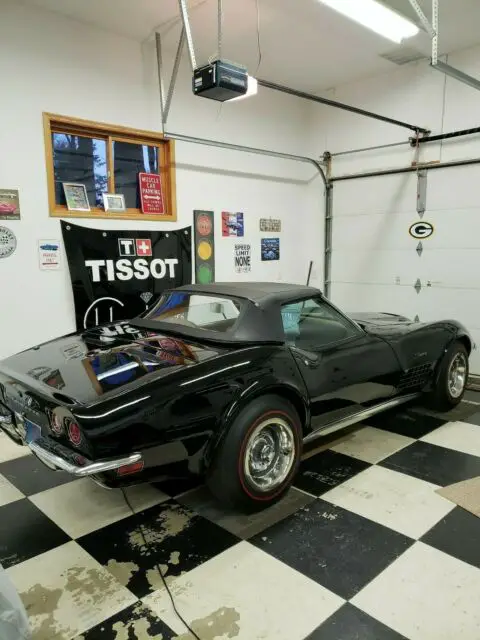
(362,547)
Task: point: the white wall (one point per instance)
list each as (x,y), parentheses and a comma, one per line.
(50,63)
(375,263)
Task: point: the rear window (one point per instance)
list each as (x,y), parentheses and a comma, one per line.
(212,313)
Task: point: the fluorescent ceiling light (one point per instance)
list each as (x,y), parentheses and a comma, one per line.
(252,90)
(375,16)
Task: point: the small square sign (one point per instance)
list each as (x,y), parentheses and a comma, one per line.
(144,247)
(49,255)
(126,246)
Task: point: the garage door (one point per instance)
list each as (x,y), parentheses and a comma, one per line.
(378,266)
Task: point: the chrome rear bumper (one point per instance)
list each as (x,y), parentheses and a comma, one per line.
(56,456)
(55,460)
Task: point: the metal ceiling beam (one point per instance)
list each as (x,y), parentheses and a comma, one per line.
(423,18)
(457,74)
(158,46)
(340,105)
(188,32)
(435,63)
(414,169)
(165,102)
(173,79)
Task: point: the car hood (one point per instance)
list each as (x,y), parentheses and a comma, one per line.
(84,368)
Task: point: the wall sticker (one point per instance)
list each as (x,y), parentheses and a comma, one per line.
(243,258)
(270,225)
(421,229)
(49,255)
(9,204)
(270,249)
(8,242)
(232,224)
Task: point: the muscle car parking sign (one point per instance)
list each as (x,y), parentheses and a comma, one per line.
(117,274)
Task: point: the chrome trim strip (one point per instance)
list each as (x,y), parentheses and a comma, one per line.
(359,416)
(87,470)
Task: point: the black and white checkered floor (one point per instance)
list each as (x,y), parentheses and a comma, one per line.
(363,548)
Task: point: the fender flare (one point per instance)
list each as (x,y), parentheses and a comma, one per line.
(296,396)
(460,336)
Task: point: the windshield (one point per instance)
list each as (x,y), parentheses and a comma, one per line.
(212,313)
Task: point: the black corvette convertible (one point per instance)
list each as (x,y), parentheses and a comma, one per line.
(225,380)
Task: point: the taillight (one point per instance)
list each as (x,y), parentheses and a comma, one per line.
(56,423)
(74,433)
(128,469)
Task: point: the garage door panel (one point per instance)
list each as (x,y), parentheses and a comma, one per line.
(442,268)
(376,298)
(454,228)
(388,231)
(377,266)
(453,188)
(452,268)
(460,304)
(385,194)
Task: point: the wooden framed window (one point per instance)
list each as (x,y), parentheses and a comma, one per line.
(106,159)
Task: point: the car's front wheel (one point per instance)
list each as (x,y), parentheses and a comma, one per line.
(452,378)
(257,461)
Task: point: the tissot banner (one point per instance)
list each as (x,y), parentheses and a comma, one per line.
(116,275)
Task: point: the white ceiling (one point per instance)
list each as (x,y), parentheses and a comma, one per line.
(304,44)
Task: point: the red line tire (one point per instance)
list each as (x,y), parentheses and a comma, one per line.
(268,423)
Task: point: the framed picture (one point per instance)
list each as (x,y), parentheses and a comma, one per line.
(270,249)
(114,201)
(76,196)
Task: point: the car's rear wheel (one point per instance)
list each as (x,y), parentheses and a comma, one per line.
(257,461)
(452,378)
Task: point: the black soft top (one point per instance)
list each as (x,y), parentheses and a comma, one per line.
(262,293)
(259,320)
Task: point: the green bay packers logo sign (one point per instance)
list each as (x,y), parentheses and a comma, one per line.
(421,230)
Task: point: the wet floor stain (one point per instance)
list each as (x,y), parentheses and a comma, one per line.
(89,585)
(168,523)
(155,579)
(41,604)
(123,571)
(169,536)
(218,625)
(87,589)
(137,622)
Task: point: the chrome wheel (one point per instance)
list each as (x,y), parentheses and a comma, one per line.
(269,454)
(457,375)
